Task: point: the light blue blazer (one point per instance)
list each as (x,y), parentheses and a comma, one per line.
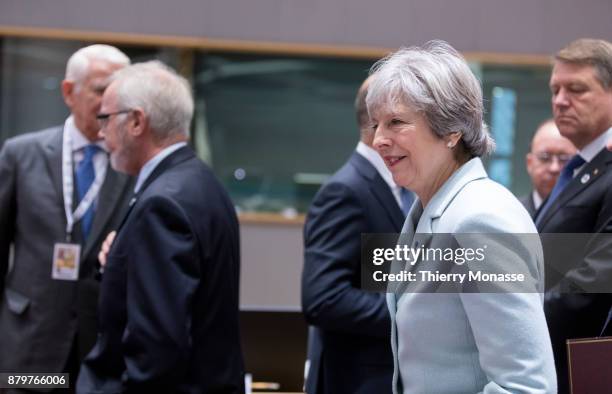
(473,342)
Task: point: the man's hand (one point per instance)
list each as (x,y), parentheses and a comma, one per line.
(106,245)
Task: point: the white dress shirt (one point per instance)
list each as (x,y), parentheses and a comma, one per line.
(593,148)
(78,144)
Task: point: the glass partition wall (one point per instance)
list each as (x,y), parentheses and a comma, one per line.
(272,127)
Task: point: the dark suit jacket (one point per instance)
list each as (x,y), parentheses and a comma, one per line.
(349,347)
(169,293)
(39,316)
(584,206)
(527,201)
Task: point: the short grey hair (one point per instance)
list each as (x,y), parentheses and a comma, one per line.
(78,64)
(163,95)
(437,81)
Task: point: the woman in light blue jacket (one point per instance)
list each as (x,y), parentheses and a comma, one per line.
(426,108)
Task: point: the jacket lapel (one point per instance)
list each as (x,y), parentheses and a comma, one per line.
(177,157)
(109,200)
(468,172)
(392,304)
(582,181)
(384,194)
(52,149)
(380,189)
(395,290)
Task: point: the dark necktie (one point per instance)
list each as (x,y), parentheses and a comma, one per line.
(85,176)
(407,198)
(566,176)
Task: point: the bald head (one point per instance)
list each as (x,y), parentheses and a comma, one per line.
(550,151)
(547,131)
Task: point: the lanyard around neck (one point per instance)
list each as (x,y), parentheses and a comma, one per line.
(68,187)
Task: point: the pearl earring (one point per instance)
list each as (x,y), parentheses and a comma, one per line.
(449,145)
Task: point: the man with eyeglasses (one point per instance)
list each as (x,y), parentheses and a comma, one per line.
(169,293)
(58,200)
(548,154)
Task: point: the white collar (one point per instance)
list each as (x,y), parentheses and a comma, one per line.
(537,199)
(379,164)
(79,141)
(595,146)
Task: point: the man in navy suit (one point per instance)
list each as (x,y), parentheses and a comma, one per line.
(349,346)
(169,292)
(581,201)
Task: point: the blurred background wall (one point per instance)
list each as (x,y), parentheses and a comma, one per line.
(500,26)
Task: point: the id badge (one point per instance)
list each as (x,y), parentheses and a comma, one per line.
(66,260)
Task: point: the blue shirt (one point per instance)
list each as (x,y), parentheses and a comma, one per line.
(148,168)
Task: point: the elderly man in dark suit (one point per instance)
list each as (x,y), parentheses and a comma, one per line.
(349,346)
(581,201)
(169,293)
(58,200)
(549,151)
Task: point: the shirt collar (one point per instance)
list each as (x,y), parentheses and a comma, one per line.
(537,199)
(595,146)
(374,158)
(78,140)
(150,165)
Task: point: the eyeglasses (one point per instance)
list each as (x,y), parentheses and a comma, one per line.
(104,118)
(547,158)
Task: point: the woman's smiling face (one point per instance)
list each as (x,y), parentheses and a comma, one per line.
(414,154)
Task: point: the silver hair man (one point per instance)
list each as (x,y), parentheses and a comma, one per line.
(438,82)
(146,108)
(78,64)
(41,173)
(163,95)
(87,75)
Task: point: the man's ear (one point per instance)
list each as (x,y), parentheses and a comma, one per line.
(68,92)
(529,162)
(139,122)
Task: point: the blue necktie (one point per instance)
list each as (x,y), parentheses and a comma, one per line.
(407,198)
(566,176)
(85,175)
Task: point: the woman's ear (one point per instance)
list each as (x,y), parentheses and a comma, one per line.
(452,139)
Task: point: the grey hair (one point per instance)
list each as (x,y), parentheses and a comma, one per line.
(437,81)
(78,64)
(163,95)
